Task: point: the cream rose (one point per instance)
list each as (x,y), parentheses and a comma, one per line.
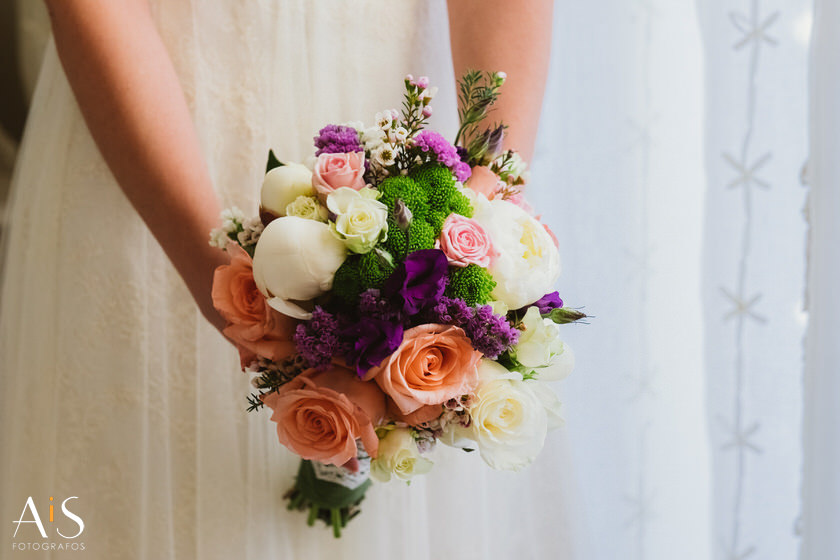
(528,264)
(361,221)
(295,260)
(398,456)
(283,185)
(541,350)
(509,420)
(307,207)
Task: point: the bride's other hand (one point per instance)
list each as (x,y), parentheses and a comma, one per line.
(514,37)
(129,94)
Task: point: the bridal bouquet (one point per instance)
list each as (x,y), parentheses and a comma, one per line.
(395,293)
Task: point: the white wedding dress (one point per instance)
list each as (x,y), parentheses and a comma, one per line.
(116,391)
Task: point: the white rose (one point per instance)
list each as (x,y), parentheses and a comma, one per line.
(307,207)
(398,456)
(529,263)
(508,418)
(540,348)
(282,185)
(361,220)
(295,260)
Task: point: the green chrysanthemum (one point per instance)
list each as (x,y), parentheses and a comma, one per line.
(472,283)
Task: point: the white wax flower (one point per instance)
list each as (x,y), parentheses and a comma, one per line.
(398,456)
(361,220)
(294,261)
(529,263)
(282,185)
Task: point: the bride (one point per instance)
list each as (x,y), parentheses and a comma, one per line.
(116,388)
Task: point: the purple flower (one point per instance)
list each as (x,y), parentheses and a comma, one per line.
(490,334)
(547,303)
(442,151)
(462,171)
(337,139)
(318,340)
(374,340)
(451,311)
(372,304)
(419,281)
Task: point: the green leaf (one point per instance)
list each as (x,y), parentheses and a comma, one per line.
(272,162)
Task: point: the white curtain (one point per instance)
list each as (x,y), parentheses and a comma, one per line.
(669,165)
(821,484)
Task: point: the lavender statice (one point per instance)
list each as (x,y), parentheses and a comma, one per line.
(451,311)
(490,334)
(443,152)
(318,339)
(372,304)
(338,139)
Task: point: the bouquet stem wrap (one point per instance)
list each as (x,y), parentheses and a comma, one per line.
(331,493)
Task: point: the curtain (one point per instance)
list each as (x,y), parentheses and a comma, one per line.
(821,472)
(669,165)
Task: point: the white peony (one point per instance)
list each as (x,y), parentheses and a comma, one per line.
(398,456)
(307,207)
(282,185)
(529,263)
(540,348)
(361,221)
(295,260)
(509,418)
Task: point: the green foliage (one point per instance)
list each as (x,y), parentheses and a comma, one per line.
(472,283)
(347,283)
(272,162)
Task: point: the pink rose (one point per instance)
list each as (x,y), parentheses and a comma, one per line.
(333,171)
(433,364)
(464,242)
(256,328)
(484,181)
(320,415)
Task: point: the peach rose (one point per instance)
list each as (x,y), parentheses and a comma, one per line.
(433,364)
(484,181)
(333,171)
(464,242)
(321,414)
(256,328)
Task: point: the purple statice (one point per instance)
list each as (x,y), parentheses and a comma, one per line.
(462,171)
(443,152)
(337,139)
(372,304)
(451,311)
(490,334)
(318,339)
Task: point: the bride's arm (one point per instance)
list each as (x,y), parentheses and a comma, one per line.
(133,104)
(514,37)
